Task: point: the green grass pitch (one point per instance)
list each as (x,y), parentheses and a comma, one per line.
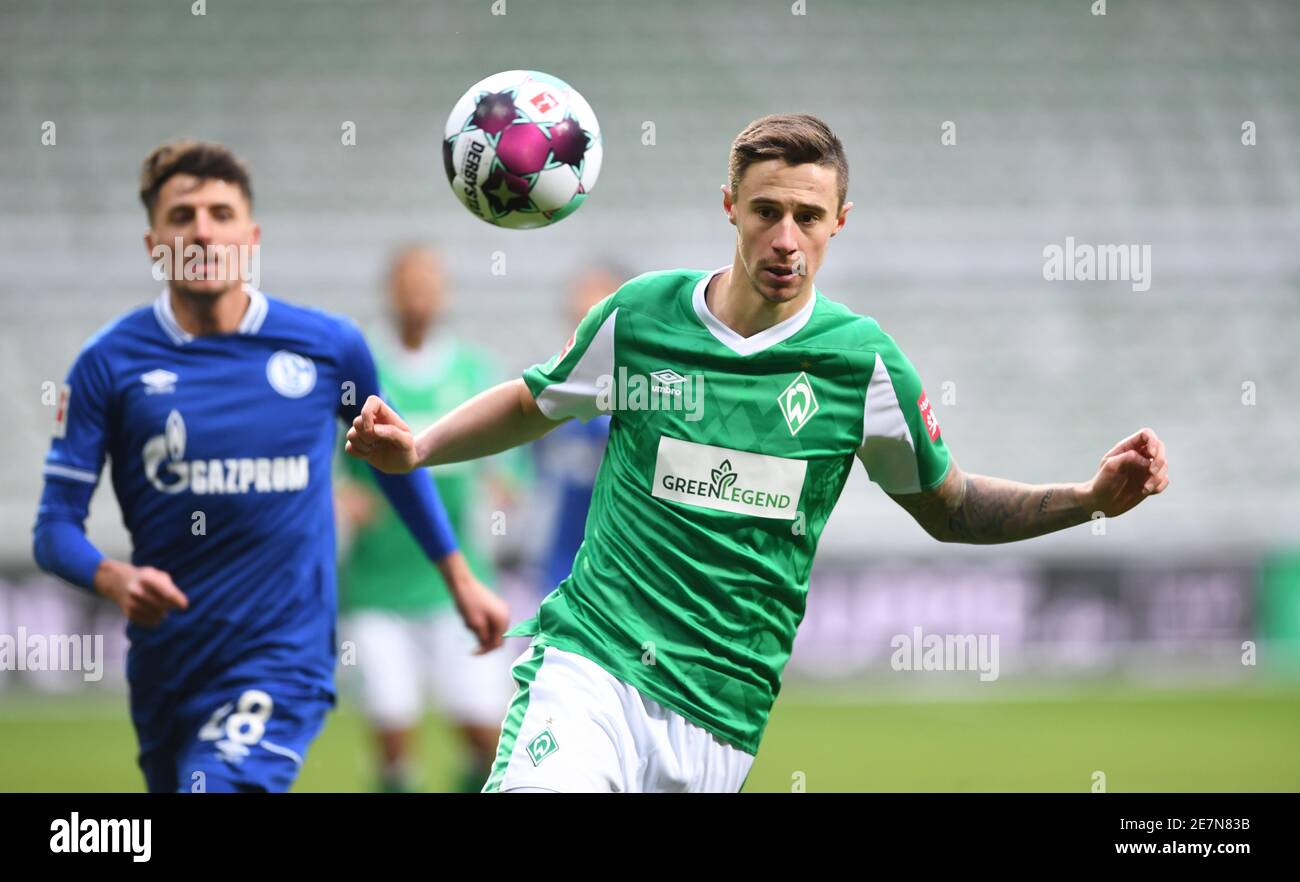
(1143,740)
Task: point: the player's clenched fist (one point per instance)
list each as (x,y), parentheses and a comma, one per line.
(485,614)
(380,437)
(1132,470)
(144,594)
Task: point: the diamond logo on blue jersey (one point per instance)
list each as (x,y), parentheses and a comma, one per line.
(158,382)
(291,374)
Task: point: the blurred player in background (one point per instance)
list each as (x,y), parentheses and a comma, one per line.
(395,608)
(740,399)
(567,459)
(217,407)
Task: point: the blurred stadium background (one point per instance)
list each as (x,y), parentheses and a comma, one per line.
(1120,653)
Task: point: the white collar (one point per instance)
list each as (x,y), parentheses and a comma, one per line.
(251,323)
(764,339)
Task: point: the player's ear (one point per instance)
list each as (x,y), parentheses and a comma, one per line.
(250,265)
(844,214)
(728,205)
(157,256)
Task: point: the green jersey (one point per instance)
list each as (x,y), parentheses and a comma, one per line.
(384,567)
(726,455)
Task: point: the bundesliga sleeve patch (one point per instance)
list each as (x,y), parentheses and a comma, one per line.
(927,414)
(573,338)
(559,356)
(61,412)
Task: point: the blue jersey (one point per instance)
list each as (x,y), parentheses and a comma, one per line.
(567,459)
(220,449)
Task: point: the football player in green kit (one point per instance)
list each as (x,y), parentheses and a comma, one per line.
(740,399)
(409,644)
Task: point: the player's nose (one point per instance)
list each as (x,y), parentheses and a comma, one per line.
(202,228)
(786,241)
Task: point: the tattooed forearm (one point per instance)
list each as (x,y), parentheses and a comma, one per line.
(1047,497)
(988,510)
(981,510)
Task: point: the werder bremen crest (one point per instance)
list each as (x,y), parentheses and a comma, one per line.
(798,404)
(542,746)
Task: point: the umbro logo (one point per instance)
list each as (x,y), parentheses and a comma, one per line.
(159,382)
(663,389)
(666,378)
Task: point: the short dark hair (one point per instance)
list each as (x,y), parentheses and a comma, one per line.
(795,138)
(203,159)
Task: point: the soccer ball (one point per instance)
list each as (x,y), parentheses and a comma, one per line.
(522,149)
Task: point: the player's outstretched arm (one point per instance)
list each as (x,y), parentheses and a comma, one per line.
(978,509)
(504,416)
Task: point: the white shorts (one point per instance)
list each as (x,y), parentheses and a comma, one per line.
(574,727)
(402,658)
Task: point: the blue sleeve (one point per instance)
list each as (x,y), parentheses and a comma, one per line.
(413,496)
(59,541)
(72,468)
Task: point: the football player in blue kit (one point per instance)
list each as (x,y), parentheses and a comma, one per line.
(216,407)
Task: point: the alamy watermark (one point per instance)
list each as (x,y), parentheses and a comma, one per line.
(945,652)
(1098,263)
(53,652)
(661,390)
(78,835)
(211,263)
